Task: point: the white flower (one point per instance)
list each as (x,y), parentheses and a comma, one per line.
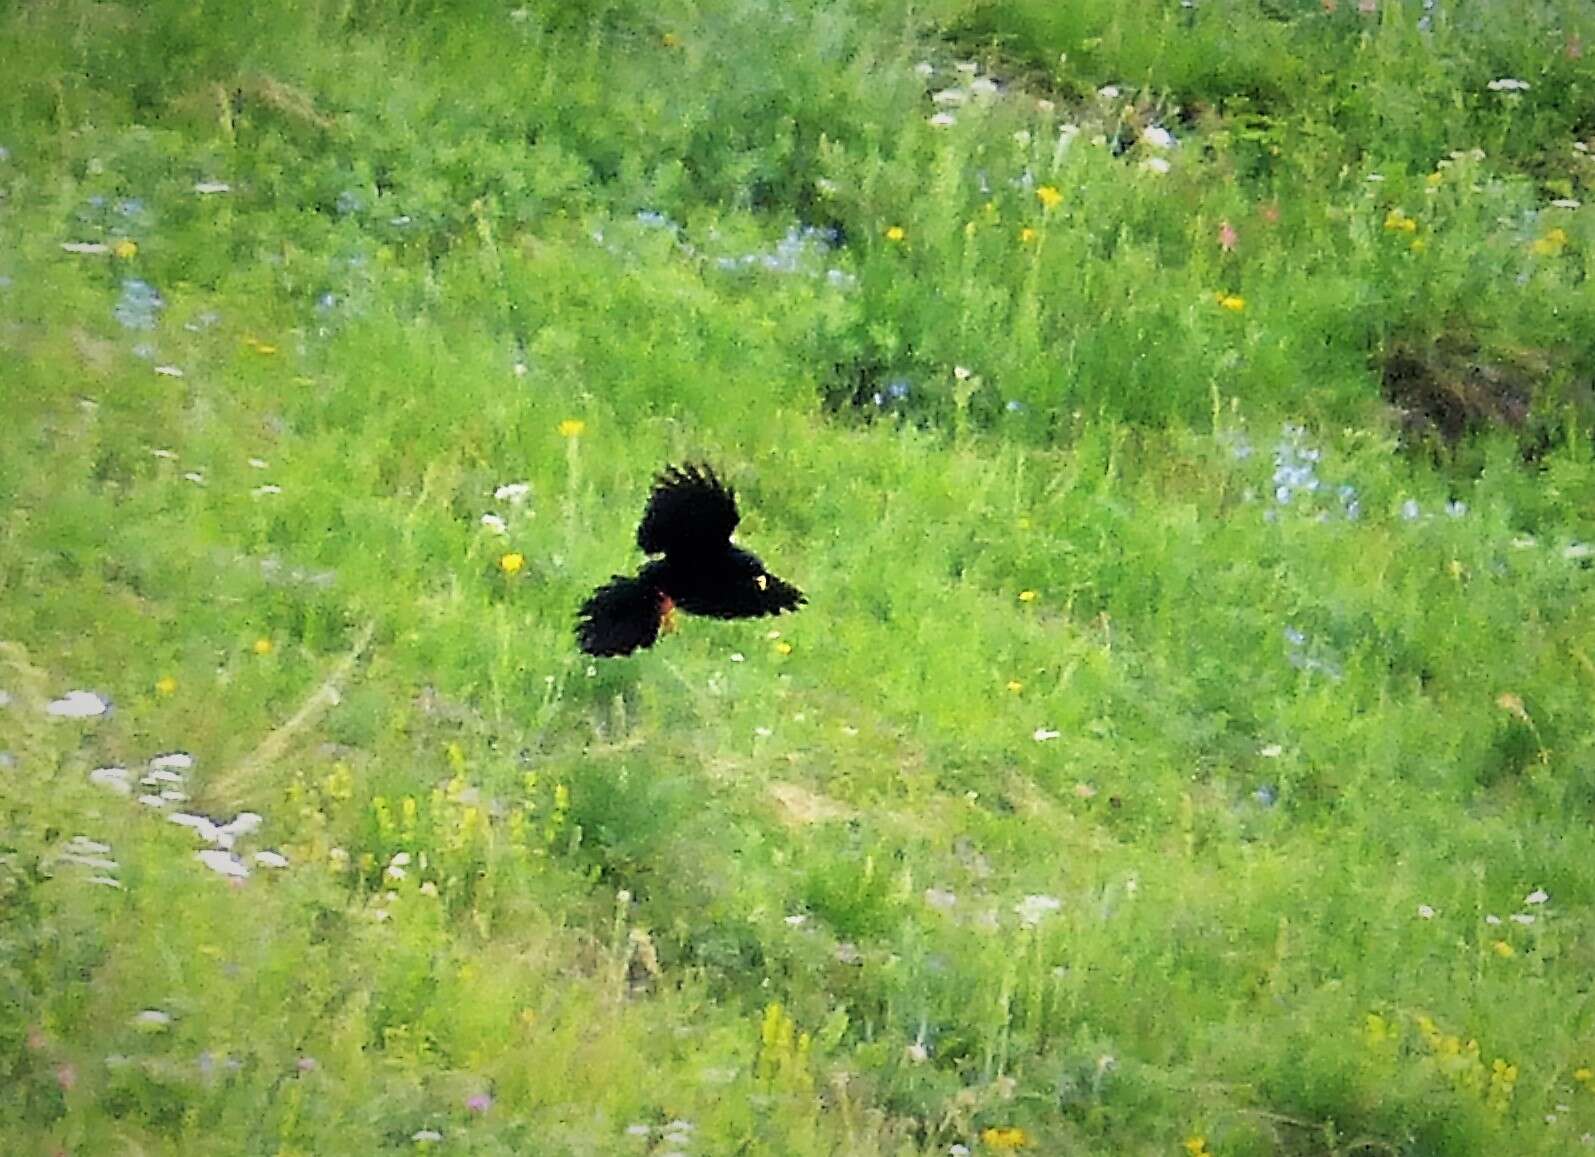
(1035,908)
(1538,896)
(180,760)
(153,1018)
(1577,550)
(259,464)
(271,859)
(1272,751)
(208,188)
(514,493)
(1022,138)
(644,1130)
(924,68)
(1042,734)
(1492,920)
(394,872)
(950,96)
(1158,165)
(1508,84)
(78,705)
(224,863)
(738,657)
(1159,137)
(402,859)
(496,524)
(917,1053)
(763,732)
(114,778)
(943,120)
(1425,911)
(1109,92)
(796,920)
(422,1136)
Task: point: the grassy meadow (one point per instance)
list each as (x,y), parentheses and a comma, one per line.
(1179,416)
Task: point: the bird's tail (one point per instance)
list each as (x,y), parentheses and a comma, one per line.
(621,616)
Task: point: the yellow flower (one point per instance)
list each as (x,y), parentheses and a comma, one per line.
(125,249)
(1233,302)
(1197,1146)
(1434,178)
(512,562)
(1398,222)
(1554,241)
(1027,235)
(1027,596)
(1015,686)
(1583,1076)
(1418,245)
(259,346)
(263,646)
(1049,197)
(165,685)
(671,40)
(895,233)
(1007,1137)
(783,648)
(1503,949)
(572,428)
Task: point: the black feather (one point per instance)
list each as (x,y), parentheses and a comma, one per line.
(689,519)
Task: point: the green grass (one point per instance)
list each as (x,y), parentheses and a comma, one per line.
(1288,768)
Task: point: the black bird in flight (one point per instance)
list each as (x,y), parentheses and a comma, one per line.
(689,520)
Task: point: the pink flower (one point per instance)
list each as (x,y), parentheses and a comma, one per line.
(1367,6)
(1227,237)
(306,1064)
(66,1076)
(479,1103)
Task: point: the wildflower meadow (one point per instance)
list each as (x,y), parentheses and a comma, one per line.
(1178,415)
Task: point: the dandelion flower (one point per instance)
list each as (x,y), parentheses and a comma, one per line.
(1584,1076)
(783,648)
(165,685)
(670,40)
(1027,235)
(895,233)
(1233,302)
(572,428)
(1196,1146)
(512,562)
(263,646)
(1397,221)
(1008,1137)
(1503,949)
(1049,197)
(1027,596)
(1015,686)
(125,249)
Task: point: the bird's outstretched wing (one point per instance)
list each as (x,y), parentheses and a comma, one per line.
(736,590)
(619,617)
(689,512)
